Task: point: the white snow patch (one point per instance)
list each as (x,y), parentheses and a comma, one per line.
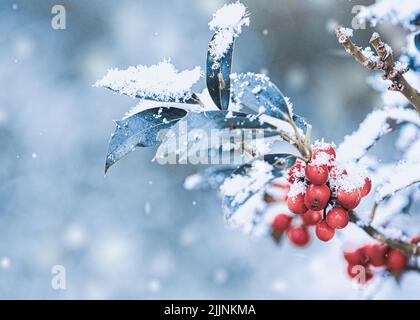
(161,82)
(227,22)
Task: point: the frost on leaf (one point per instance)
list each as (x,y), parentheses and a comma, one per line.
(227,23)
(200,134)
(376,125)
(140,130)
(249,181)
(161,82)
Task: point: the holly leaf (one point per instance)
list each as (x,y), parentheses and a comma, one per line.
(218,76)
(197,129)
(257,93)
(140,130)
(251,179)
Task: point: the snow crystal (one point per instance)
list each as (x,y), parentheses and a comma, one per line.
(296,188)
(346,32)
(227,22)
(368,53)
(353,179)
(161,82)
(400,66)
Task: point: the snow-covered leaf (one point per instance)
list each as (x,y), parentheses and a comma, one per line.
(257,93)
(159,82)
(377,124)
(211,178)
(218,80)
(140,130)
(251,178)
(227,23)
(197,130)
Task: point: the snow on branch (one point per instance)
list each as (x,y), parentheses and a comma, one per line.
(376,125)
(403,175)
(397,12)
(227,22)
(383,60)
(161,82)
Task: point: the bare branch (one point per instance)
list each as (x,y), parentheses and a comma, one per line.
(408,248)
(385,62)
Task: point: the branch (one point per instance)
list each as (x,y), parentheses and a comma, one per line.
(408,248)
(383,61)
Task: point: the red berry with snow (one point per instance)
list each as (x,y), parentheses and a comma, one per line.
(296,204)
(366,187)
(324,232)
(376,254)
(296,171)
(415,240)
(327,148)
(311,218)
(355,257)
(298,235)
(396,261)
(337,218)
(317,174)
(281,222)
(348,199)
(316,197)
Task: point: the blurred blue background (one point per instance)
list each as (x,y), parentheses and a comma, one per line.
(137,234)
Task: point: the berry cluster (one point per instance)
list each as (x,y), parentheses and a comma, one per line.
(376,255)
(322,191)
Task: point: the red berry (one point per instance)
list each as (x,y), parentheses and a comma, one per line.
(299,235)
(324,232)
(396,261)
(366,187)
(376,254)
(355,257)
(296,170)
(317,174)
(337,218)
(348,199)
(296,204)
(316,197)
(415,240)
(363,273)
(311,218)
(281,222)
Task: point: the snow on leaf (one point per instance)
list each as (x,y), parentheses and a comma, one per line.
(250,179)
(255,92)
(160,82)
(227,23)
(210,178)
(404,174)
(376,125)
(140,130)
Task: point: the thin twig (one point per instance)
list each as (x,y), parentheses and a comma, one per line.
(384,61)
(409,248)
